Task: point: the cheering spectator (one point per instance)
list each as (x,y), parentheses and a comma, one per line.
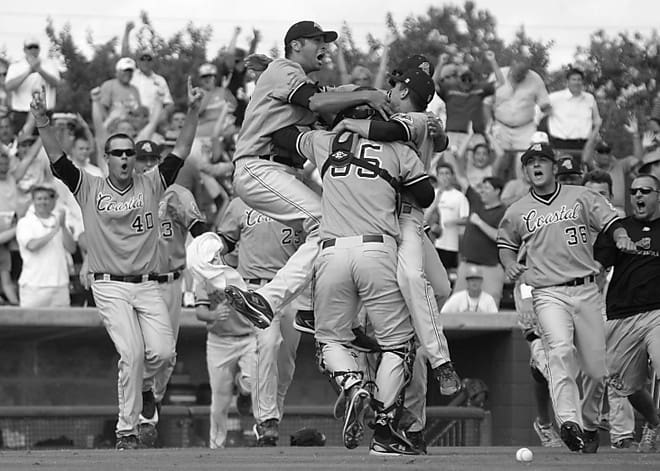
(149,84)
(4,96)
(452,212)
(7,227)
(118,94)
(573,115)
(80,152)
(7,137)
(478,247)
(215,101)
(30,168)
(27,75)
(514,107)
(472,299)
(44,241)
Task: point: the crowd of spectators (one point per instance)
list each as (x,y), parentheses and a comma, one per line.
(489,121)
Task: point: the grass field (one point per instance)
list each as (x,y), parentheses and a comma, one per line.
(317,459)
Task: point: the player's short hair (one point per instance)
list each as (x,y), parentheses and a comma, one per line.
(574,71)
(495,182)
(598,176)
(445,165)
(481,144)
(655,179)
(119,135)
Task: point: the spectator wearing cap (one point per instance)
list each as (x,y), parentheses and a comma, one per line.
(150,85)
(573,114)
(514,107)
(147,156)
(473,298)
(478,246)
(45,243)
(29,74)
(569,170)
(464,100)
(218,100)
(7,136)
(7,227)
(118,94)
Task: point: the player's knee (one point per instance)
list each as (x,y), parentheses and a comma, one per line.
(161,353)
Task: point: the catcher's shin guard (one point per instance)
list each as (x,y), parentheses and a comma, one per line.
(393,376)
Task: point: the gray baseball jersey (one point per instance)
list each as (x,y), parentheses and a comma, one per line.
(558,233)
(264,245)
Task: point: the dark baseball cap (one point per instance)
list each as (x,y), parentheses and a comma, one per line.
(648,160)
(603,148)
(417,61)
(567,165)
(418,81)
(146,149)
(309,29)
(539,149)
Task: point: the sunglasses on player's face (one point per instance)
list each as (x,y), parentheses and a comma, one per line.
(146,58)
(122,152)
(642,190)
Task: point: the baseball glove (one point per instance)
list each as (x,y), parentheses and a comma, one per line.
(307,437)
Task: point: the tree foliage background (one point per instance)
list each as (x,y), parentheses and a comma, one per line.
(621,70)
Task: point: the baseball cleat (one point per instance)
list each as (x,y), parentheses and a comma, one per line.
(267,432)
(449,381)
(591,440)
(623,443)
(417,441)
(571,434)
(304,322)
(353,430)
(547,434)
(339,408)
(128,442)
(386,442)
(649,441)
(251,305)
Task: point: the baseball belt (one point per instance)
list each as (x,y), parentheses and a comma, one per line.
(579,281)
(256,281)
(163,278)
(365,239)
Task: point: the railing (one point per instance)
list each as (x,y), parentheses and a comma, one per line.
(32,427)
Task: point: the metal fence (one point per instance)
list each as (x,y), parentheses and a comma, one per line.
(35,427)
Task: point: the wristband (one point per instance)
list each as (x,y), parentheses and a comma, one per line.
(45,125)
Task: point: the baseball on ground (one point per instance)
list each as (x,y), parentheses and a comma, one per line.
(524,455)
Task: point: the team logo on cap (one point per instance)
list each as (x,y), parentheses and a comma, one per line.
(426,67)
(567,164)
(536,147)
(146,147)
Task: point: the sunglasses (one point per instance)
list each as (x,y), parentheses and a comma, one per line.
(146,58)
(644,191)
(122,152)
(206,76)
(32,46)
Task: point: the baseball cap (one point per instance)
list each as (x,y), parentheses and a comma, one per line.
(539,137)
(648,160)
(418,81)
(125,63)
(207,69)
(539,149)
(44,186)
(31,41)
(568,166)
(417,61)
(309,29)
(603,148)
(146,149)
(473,271)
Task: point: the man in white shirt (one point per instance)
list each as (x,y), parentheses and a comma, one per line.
(472,299)
(573,115)
(27,75)
(150,85)
(447,223)
(80,152)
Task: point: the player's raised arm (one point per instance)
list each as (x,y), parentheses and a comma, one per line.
(47,133)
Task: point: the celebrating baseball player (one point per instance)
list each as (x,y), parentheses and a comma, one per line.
(633,303)
(178,214)
(268,182)
(120,214)
(555,223)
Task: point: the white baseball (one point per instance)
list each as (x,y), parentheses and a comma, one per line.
(524,455)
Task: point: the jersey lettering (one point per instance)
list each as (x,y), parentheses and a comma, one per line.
(104,202)
(365,150)
(534,221)
(166,229)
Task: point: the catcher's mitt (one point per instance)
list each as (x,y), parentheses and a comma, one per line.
(307,437)
(476,392)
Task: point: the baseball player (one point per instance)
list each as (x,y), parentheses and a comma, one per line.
(358,259)
(264,246)
(178,214)
(555,222)
(120,214)
(633,325)
(268,182)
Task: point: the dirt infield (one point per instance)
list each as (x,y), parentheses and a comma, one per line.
(317,459)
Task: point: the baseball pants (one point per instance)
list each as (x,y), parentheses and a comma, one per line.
(350,271)
(172,294)
(415,287)
(136,318)
(275,190)
(573,332)
(276,364)
(229,359)
(415,400)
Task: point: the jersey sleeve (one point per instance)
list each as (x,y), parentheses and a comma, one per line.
(508,233)
(415,124)
(187,211)
(412,168)
(230,224)
(315,146)
(600,212)
(287,79)
(201,296)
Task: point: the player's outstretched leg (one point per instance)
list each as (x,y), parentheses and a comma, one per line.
(251,304)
